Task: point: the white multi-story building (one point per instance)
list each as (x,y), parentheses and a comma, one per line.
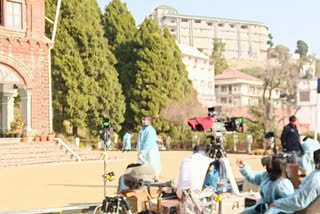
(236,89)
(307,97)
(200,72)
(243,39)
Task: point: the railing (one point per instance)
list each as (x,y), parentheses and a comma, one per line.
(68,148)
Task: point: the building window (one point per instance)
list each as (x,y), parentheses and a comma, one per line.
(244,26)
(197,21)
(224,88)
(251,89)
(184,20)
(223,100)
(304,96)
(13,17)
(232,26)
(202,84)
(173,21)
(172,30)
(210,85)
(209,23)
(230,100)
(220,24)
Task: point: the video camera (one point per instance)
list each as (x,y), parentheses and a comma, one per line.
(216,120)
(218,124)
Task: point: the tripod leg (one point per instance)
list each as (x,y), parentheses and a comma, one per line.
(105,172)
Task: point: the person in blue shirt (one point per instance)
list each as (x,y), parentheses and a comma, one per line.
(148,151)
(126,142)
(308,192)
(309,146)
(273,183)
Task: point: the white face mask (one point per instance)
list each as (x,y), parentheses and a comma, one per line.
(144,123)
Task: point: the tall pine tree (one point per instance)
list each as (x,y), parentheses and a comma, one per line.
(120,28)
(160,77)
(221,63)
(85,82)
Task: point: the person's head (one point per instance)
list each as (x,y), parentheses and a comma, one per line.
(146,121)
(277,168)
(316,158)
(293,120)
(199,149)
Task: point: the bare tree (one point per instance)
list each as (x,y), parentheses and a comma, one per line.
(281,73)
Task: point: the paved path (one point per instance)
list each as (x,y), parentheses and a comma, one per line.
(73,184)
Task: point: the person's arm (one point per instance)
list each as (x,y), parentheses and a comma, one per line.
(283,138)
(302,198)
(180,182)
(253,177)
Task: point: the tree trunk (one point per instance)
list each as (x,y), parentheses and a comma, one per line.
(75,131)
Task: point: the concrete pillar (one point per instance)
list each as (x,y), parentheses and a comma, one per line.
(7,110)
(26,114)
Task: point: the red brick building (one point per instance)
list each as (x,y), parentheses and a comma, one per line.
(24,64)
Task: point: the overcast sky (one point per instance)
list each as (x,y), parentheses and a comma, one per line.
(288,20)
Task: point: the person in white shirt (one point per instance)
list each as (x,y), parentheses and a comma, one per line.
(193,171)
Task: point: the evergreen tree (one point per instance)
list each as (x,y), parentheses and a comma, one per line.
(217,55)
(160,77)
(302,48)
(68,77)
(270,42)
(85,82)
(105,94)
(119,24)
(120,28)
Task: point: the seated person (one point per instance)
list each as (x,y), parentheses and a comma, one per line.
(309,146)
(308,192)
(193,170)
(217,177)
(273,183)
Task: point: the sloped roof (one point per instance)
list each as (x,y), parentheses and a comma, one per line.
(191,51)
(235,74)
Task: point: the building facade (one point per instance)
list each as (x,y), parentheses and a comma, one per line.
(236,89)
(24,64)
(200,72)
(307,97)
(243,39)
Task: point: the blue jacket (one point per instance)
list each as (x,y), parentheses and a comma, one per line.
(309,146)
(269,190)
(126,142)
(148,148)
(308,192)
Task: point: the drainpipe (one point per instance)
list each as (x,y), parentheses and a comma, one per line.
(55,24)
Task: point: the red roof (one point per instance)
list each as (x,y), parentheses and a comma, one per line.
(235,74)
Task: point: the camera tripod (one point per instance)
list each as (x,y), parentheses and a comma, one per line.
(216,151)
(216,148)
